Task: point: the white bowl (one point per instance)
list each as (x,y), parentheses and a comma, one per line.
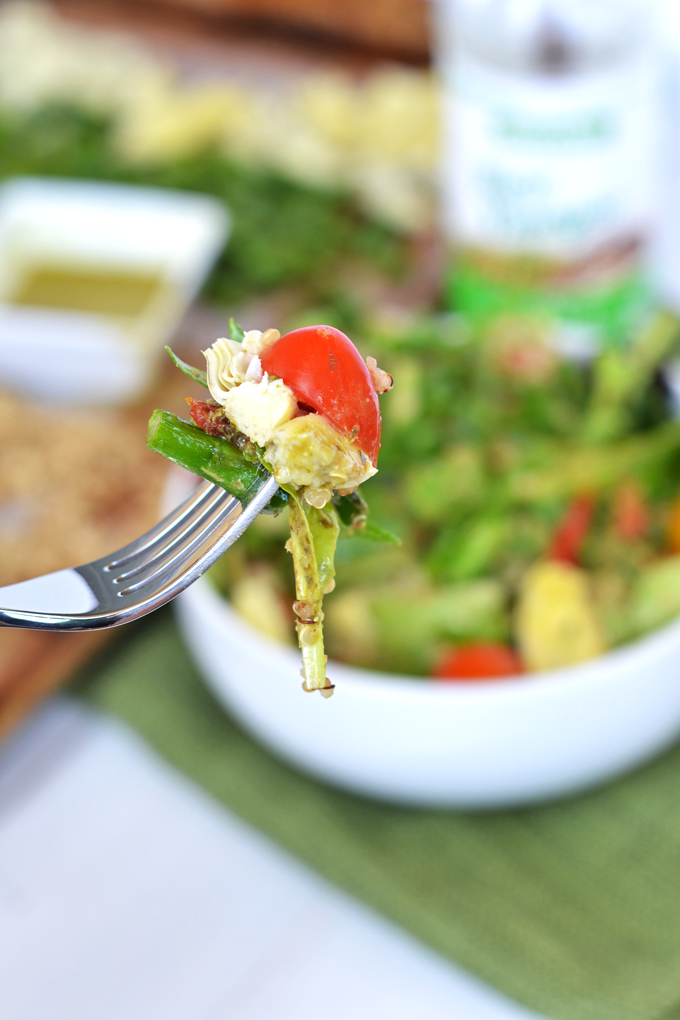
(469,745)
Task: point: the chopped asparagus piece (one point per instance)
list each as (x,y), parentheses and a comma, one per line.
(208,456)
(313,535)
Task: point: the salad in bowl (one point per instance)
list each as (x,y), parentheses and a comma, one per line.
(520,642)
(537,500)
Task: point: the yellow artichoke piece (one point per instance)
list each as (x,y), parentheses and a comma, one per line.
(556,622)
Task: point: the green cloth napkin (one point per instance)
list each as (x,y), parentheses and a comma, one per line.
(571,908)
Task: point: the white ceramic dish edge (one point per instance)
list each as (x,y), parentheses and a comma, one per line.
(496,744)
(87,358)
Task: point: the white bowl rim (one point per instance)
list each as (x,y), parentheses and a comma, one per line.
(603,669)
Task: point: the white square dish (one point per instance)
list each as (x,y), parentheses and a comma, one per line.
(93,279)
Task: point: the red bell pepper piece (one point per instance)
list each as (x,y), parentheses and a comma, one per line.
(631,516)
(572,531)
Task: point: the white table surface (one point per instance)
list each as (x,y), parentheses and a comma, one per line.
(126,893)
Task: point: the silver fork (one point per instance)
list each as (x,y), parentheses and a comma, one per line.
(143,575)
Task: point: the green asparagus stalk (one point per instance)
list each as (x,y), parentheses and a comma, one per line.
(313,536)
(566,471)
(620,377)
(313,532)
(211,457)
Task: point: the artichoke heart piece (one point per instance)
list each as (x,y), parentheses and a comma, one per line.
(311,456)
(258,409)
(556,621)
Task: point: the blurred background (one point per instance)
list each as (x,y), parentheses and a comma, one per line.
(483,194)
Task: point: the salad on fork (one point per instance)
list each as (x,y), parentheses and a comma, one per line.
(305,407)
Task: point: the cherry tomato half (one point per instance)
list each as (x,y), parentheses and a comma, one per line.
(478,662)
(325,370)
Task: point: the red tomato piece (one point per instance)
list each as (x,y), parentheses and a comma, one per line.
(325,370)
(572,531)
(478,662)
(631,516)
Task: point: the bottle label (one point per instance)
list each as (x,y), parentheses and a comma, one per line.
(548,181)
(555,167)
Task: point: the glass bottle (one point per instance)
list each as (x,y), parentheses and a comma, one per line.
(549,162)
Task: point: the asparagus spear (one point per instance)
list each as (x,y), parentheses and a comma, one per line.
(313,536)
(313,532)
(620,377)
(208,456)
(567,470)
(234,462)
